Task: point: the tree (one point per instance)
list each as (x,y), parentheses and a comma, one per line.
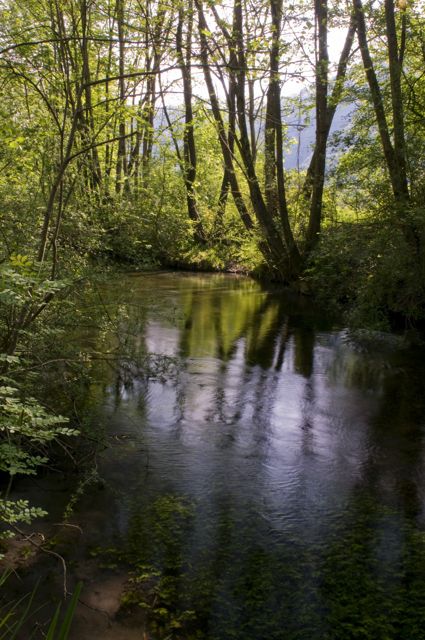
(229,58)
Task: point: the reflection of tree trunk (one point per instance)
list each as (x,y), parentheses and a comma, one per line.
(282,345)
(304,351)
(185,332)
(259,350)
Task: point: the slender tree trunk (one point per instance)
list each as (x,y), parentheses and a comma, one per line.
(222,135)
(394,154)
(333,102)
(397,102)
(274,171)
(148,124)
(251,119)
(189,145)
(274,246)
(377,99)
(264,216)
(322,129)
(96,175)
(56,186)
(231,134)
(244,141)
(109,153)
(121,166)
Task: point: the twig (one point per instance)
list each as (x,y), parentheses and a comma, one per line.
(102,611)
(40,547)
(67,524)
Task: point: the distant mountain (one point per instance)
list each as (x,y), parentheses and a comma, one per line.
(301,131)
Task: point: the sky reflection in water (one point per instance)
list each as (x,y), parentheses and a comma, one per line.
(300,459)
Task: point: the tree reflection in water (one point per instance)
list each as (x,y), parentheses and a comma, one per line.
(271,479)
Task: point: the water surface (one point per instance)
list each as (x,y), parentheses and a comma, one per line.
(264,476)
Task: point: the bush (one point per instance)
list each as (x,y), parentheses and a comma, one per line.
(369,271)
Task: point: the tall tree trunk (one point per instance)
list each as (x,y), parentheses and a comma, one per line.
(231,129)
(121,165)
(274,171)
(274,246)
(109,150)
(189,145)
(333,102)
(222,135)
(377,99)
(96,175)
(322,129)
(397,102)
(394,152)
(56,187)
(264,216)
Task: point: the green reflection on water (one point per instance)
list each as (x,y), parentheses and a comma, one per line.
(265,478)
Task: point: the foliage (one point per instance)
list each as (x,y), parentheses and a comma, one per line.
(25,290)
(154,553)
(93,168)
(88,479)
(62,633)
(13,512)
(15,616)
(98,115)
(368,271)
(26,431)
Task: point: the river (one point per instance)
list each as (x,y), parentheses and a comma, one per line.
(263,473)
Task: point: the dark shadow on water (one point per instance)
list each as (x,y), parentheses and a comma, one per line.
(264,478)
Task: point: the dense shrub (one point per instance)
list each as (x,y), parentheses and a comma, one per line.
(371,272)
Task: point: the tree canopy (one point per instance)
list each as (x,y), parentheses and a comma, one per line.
(157,132)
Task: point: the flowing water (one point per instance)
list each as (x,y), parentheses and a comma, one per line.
(263,476)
